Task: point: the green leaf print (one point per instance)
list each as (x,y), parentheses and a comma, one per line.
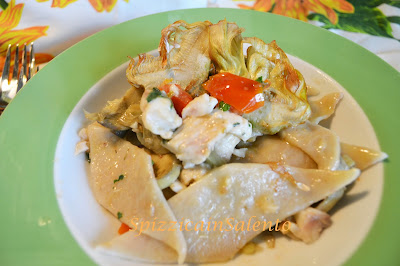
(3,4)
(364,19)
(394,19)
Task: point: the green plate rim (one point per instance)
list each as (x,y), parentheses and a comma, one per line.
(33,229)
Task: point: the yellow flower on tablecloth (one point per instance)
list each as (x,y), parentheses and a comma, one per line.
(98,5)
(299,9)
(101,5)
(9,19)
(58,3)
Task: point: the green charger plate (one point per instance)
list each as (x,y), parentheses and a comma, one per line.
(32,228)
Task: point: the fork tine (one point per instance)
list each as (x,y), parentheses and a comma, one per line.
(31,62)
(8,90)
(6,69)
(24,62)
(16,64)
(21,78)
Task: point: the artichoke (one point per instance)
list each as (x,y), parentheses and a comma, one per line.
(226,51)
(184,59)
(285,93)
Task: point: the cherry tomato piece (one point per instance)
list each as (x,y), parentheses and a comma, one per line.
(123,229)
(244,94)
(179,97)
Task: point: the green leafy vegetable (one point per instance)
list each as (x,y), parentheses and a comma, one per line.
(154,94)
(236,124)
(260,79)
(224,106)
(119,214)
(119,178)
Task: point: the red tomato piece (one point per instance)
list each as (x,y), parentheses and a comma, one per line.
(123,229)
(179,97)
(244,94)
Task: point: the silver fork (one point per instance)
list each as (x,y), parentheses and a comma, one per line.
(8,89)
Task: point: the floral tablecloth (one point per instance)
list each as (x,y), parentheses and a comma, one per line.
(55,25)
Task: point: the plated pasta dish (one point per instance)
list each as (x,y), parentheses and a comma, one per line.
(217,140)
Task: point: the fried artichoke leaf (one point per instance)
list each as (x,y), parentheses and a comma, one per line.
(120,114)
(149,140)
(258,65)
(148,72)
(226,49)
(184,58)
(286,96)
